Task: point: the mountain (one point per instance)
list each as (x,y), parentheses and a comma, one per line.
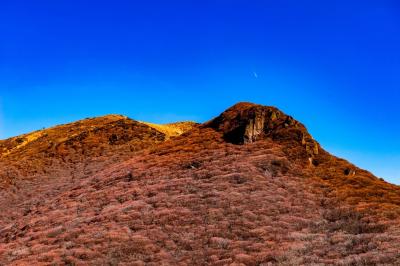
(249,187)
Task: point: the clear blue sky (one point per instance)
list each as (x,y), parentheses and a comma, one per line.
(334,66)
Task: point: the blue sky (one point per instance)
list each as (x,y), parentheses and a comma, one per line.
(333,66)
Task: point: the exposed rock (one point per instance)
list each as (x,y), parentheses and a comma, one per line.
(254,128)
(247,123)
(315,148)
(350,172)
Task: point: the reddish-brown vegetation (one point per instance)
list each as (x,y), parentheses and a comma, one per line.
(248,188)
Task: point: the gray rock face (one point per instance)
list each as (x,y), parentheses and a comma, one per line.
(254,129)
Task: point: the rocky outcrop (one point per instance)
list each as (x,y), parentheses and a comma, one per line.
(246,123)
(254,129)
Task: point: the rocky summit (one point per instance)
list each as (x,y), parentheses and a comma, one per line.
(249,187)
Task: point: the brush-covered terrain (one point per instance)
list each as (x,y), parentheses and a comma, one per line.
(250,187)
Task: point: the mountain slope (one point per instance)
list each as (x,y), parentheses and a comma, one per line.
(249,187)
(80,145)
(246,123)
(42,163)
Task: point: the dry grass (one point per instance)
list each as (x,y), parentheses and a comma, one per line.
(173,129)
(24,140)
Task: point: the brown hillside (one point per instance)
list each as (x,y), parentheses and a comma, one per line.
(34,165)
(250,187)
(78,147)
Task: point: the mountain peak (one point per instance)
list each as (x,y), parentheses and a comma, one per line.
(247,122)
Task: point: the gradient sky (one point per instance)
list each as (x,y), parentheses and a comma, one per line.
(333,66)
